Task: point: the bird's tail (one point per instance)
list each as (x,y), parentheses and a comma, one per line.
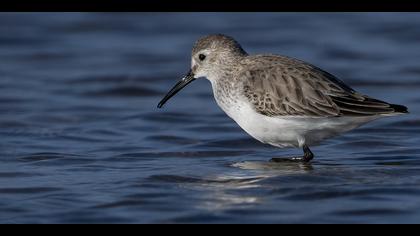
(399,108)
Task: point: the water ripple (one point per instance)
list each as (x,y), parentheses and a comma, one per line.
(83,142)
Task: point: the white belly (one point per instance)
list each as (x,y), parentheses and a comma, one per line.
(290,131)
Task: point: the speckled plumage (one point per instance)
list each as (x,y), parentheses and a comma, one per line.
(282,86)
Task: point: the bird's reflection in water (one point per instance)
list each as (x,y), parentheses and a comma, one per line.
(231,190)
(275,168)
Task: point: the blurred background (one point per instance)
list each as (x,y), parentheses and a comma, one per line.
(83,142)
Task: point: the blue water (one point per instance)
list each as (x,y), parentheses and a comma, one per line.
(83,142)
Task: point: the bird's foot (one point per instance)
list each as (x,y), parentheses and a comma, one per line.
(307,157)
(288,159)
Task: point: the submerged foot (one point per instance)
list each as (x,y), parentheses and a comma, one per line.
(288,159)
(307,157)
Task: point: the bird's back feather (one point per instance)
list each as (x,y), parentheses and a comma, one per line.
(290,87)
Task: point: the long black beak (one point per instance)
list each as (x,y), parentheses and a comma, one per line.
(181,84)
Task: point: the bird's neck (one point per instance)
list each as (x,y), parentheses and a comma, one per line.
(225,90)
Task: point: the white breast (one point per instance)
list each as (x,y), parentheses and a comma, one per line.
(281,131)
(287,131)
(276,132)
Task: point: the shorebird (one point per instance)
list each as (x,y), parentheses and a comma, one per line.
(279,100)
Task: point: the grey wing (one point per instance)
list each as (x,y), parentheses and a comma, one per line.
(306,91)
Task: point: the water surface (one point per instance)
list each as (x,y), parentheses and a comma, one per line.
(83,142)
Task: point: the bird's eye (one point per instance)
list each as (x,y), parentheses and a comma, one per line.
(201,57)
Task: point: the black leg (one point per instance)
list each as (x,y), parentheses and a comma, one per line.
(307,157)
